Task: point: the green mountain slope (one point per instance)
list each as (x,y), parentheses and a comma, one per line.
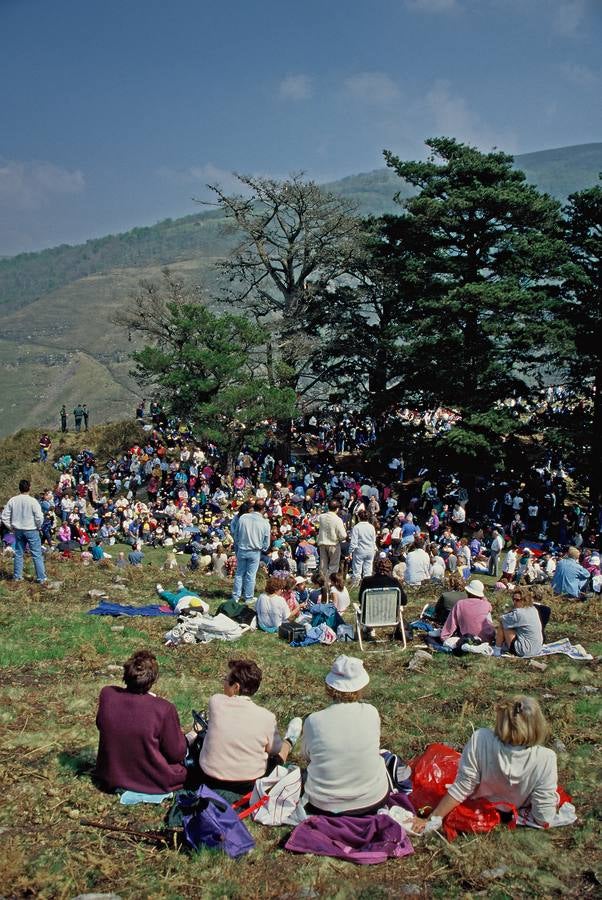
(58,341)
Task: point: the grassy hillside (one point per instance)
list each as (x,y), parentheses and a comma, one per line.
(58,341)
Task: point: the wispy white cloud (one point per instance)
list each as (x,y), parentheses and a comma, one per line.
(568,16)
(432,6)
(30,185)
(450,114)
(580,75)
(295,87)
(199,176)
(372,87)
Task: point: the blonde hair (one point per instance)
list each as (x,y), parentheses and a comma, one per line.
(520,722)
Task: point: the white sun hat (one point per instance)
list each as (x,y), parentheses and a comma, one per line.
(347,674)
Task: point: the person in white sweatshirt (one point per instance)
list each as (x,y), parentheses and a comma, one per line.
(362,546)
(418,564)
(508,764)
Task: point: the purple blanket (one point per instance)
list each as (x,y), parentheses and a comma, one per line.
(365,840)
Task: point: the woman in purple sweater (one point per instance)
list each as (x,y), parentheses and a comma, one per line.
(141,746)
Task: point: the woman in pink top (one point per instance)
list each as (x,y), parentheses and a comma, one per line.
(471,615)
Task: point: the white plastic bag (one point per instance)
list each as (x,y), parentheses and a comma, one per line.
(282,787)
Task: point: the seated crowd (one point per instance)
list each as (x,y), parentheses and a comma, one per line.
(143,748)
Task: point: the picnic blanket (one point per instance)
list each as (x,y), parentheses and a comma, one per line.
(107,608)
(563,645)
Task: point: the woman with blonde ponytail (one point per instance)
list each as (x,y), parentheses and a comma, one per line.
(508,764)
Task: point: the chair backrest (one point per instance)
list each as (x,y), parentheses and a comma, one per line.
(380,606)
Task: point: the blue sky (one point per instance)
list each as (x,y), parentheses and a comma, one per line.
(115,113)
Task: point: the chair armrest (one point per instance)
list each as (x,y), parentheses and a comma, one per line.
(356,607)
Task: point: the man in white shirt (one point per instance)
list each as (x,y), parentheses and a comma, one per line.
(362,546)
(23,515)
(418,564)
(497,545)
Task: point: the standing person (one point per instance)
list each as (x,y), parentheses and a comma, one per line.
(63,415)
(497,545)
(330,535)
(252,538)
(78,414)
(86,414)
(362,547)
(23,515)
(45,445)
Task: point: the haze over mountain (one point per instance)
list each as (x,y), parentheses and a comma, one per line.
(58,342)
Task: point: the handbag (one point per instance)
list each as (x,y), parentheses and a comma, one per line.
(275,797)
(209,821)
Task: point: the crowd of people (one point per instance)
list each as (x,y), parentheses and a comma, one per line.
(318,526)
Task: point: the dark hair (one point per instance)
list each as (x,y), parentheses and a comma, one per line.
(362,515)
(337,580)
(140,672)
(384,566)
(333,505)
(246,674)
(259,506)
(24,485)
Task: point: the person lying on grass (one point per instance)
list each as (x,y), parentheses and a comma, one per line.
(520,632)
(507,765)
(241,742)
(346,774)
(141,744)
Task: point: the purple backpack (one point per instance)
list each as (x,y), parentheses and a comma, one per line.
(209,821)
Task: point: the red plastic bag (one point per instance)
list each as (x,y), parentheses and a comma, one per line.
(476,817)
(432,771)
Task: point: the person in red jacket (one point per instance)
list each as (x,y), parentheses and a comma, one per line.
(141,745)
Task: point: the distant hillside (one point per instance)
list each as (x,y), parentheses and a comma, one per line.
(57,342)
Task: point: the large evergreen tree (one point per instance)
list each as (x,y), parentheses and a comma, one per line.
(583,320)
(480,327)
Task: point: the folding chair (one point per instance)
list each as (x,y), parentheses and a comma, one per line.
(380,608)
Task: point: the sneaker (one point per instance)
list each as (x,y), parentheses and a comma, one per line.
(159,588)
(293,732)
(181,586)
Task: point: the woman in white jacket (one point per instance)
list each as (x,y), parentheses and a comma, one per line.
(508,764)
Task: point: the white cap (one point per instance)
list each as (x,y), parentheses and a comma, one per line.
(347,674)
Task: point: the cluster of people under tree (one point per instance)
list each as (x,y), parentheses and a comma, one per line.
(143,748)
(173,491)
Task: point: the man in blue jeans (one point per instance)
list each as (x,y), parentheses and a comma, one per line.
(23,515)
(251,536)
